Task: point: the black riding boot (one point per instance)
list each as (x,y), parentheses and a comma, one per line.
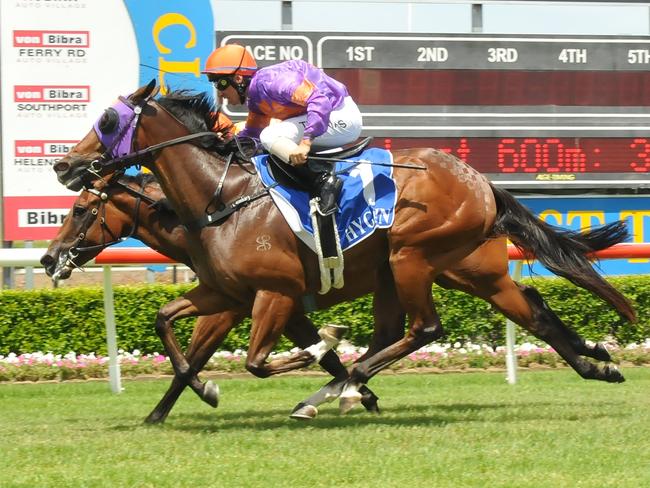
(329,188)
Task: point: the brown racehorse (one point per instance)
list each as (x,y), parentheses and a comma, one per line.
(134,207)
(130,206)
(442,216)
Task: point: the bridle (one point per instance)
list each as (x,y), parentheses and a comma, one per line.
(121,153)
(74,251)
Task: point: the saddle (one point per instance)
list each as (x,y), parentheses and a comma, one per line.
(318,178)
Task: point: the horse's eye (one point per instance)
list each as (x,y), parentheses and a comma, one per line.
(109,121)
(78,211)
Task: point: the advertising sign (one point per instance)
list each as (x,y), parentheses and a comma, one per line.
(579,213)
(62,64)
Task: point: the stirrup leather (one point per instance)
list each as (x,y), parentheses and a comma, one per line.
(331,268)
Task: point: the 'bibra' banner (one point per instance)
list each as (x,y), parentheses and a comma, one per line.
(63,63)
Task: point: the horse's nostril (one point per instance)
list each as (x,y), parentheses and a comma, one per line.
(47,260)
(61,166)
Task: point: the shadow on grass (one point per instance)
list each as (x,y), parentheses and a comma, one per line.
(406,416)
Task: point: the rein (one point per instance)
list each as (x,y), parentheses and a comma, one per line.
(122,162)
(223,211)
(119,162)
(109,161)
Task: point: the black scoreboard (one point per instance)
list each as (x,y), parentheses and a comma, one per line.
(529,111)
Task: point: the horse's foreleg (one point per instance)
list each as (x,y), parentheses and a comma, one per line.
(302,332)
(271,312)
(208,333)
(389,320)
(198,301)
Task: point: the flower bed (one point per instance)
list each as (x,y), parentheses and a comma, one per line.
(448,357)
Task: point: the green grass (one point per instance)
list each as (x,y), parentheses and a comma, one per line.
(552,429)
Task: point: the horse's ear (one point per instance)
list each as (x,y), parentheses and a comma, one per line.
(147,91)
(151,85)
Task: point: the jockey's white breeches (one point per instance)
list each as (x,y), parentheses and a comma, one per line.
(344,127)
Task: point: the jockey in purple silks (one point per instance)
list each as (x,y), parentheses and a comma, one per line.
(312,108)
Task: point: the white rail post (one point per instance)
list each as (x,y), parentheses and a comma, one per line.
(511,358)
(111,334)
(29,270)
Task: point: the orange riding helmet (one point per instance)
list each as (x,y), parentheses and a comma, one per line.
(229,60)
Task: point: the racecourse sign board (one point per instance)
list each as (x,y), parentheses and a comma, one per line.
(62,63)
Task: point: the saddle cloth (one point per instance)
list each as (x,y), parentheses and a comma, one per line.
(366,203)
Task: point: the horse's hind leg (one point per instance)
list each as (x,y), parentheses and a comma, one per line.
(597,351)
(522,306)
(413,280)
(209,332)
(484,274)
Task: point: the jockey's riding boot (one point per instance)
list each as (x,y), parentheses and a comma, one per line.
(329,188)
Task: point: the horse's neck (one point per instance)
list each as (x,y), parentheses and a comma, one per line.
(158,230)
(188,175)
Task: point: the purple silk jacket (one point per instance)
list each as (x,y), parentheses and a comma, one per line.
(289,89)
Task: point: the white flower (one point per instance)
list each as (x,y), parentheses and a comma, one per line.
(345,347)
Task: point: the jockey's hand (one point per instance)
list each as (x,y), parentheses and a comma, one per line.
(299,156)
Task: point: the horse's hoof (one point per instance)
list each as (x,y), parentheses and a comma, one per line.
(304,412)
(154,419)
(369,399)
(370,405)
(613,375)
(348,401)
(332,334)
(211,394)
(601,353)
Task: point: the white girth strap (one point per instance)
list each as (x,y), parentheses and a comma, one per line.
(327,266)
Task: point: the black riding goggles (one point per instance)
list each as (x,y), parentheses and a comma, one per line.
(222,82)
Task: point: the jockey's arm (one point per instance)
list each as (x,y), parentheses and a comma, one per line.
(255,122)
(318,108)
(224,127)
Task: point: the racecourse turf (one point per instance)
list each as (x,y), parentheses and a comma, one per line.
(552,429)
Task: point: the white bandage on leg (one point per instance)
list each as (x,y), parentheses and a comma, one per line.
(283,148)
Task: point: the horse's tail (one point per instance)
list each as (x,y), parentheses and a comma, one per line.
(561,251)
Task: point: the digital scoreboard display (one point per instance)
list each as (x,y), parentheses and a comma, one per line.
(529,111)
(544,159)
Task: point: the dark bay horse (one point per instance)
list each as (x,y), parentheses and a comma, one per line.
(129,206)
(442,216)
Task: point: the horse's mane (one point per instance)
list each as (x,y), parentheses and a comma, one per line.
(196,110)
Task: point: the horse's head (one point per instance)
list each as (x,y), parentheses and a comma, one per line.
(111,136)
(94,222)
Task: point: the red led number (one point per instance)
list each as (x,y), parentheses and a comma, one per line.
(531,155)
(642,150)
(539,155)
